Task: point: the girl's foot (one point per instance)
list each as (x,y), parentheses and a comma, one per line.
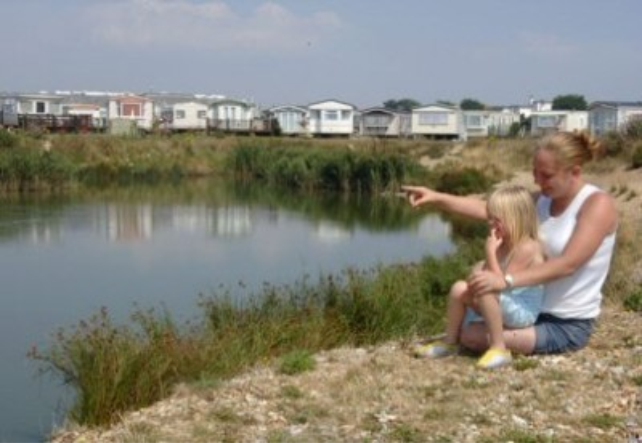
(495,358)
(436,349)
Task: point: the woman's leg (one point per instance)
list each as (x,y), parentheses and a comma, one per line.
(521,341)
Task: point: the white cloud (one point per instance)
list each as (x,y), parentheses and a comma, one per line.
(546,45)
(210,24)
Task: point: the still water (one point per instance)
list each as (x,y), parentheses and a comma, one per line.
(63,258)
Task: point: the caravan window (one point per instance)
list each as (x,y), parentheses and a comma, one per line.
(331,115)
(131,110)
(433,118)
(547,121)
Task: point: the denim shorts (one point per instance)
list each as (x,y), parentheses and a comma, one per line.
(554,335)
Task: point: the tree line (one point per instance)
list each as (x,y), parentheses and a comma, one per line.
(565,102)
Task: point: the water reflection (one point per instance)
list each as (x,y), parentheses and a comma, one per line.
(129,223)
(228,211)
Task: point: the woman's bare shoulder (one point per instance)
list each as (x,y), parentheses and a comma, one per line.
(600,209)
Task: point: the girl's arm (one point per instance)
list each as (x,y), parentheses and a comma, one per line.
(493,242)
(462,205)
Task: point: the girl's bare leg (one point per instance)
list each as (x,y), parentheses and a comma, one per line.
(458,299)
(489,308)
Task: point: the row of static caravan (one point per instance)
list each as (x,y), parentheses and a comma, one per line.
(334,117)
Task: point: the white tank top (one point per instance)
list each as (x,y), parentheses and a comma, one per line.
(579,295)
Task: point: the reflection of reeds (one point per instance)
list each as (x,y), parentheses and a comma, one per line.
(115,368)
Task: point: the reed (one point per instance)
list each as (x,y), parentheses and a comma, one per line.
(97,159)
(27,169)
(335,168)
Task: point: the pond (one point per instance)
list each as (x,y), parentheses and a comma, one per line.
(62,258)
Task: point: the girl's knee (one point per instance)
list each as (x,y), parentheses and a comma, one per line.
(459,290)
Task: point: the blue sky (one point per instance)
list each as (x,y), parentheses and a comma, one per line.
(300,51)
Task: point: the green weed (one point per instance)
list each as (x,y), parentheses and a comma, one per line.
(602,421)
(297,362)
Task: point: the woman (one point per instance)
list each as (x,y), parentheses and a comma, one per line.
(578,223)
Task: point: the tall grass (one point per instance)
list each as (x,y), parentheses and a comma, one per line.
(98,159)
(34,163)
(115,368)
(334,168)
(27,163)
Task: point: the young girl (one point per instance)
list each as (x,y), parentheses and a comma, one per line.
(512,245)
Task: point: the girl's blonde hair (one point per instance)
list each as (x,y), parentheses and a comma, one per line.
(572,148)
(514,206)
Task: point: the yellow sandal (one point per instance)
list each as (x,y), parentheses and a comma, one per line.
(495,358)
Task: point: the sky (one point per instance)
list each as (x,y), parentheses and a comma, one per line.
(364,52)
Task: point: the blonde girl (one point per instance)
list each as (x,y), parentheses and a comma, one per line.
(512,245)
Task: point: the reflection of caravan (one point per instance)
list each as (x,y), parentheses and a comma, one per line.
(331,232)
(233,221)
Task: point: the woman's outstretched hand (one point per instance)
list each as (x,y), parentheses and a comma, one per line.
(419,195)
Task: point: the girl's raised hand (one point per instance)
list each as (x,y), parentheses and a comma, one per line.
(493,241)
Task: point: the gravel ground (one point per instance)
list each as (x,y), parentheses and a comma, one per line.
(382,394)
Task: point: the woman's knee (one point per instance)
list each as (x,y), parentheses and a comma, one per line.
(474,337)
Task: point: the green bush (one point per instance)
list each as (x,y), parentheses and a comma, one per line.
(323,168)
(633,129)
(634,302)
(464,181)
(636,156)
(8,139)
(614,143)
(296,362)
